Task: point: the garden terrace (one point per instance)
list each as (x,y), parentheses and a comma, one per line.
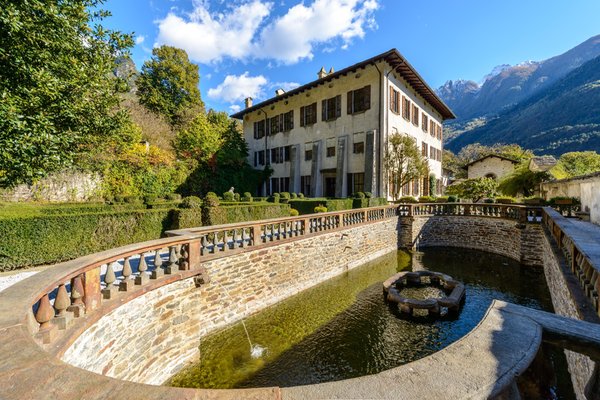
(133,314)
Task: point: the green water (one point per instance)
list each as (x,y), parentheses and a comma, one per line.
(343,328)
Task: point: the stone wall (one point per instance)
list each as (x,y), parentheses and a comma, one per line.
(568,300)
(586,188)
(502,236)
(61,186)
(152,337)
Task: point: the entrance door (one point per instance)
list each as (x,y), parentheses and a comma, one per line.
(329,186)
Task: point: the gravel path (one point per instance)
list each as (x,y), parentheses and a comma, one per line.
(10,279)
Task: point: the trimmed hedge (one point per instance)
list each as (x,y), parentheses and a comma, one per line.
(307,206)
(43,239)
(228,214)
(187,218)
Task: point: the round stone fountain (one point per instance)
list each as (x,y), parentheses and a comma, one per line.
(399,289)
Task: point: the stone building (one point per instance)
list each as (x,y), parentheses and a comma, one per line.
(491,166)
(327,137)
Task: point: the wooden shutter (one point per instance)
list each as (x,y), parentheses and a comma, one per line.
(349,107)
(392,99)
(367,97)
(338,106)
(302,113)
(324,110)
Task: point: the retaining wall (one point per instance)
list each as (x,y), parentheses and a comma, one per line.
(153,336)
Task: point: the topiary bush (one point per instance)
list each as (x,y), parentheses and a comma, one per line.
(284,197)
(211,200)
(173,196)
(191,202)
(132,199)
(505,200)
(247,197)
(359,195)
(300,195)
(368,195)
(236,197)
(150,198)
(426,199)
(274,198)
(294,212)
(293,195)
(407,199)
(227,214)
(452,199)
(228,196)
(320,209)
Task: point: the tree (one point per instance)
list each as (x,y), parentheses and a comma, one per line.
(474,189)
(522,181)
(576,163)
(57,96)
(476,151)
(404,162)
(452,163)
(168,85)
(201,139)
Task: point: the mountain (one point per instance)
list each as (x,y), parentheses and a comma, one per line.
(509,85)
(561,116)
(126,70)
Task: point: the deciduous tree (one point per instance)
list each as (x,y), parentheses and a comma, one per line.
(404,162)
(57,94)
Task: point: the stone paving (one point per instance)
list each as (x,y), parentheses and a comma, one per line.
(10,278)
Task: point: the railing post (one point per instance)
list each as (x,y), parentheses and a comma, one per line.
(91,288)
(523,215)
(194,253)
(467,209)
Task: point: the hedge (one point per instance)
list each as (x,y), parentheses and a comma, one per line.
(43,239)
(227,214)
(307,206)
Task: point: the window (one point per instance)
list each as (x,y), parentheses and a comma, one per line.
(284,184)
(305,184)
(415,115)
(256,158)
(415,187)
(288,121)
(425,150)
(286,153)
(426,186)
(358,148)
(259,158)
(275,185)
(432,127)
(359,100)
(280,154)
(424,122)
(275,124)
(331,108)
(405,108)
(439,134)
(308,115)
(331,151)
(307,155)
(259,129)
(356,182)
(394,100)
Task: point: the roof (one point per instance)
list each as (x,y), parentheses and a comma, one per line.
(489,156)
(394,59)
(542,164)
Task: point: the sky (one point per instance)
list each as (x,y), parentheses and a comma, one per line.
(253,47)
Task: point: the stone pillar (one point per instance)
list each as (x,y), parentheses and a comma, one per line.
(316,184)
(341,172)
(91,289)
(295,157)
(371,145)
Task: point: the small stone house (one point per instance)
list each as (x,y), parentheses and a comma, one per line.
(491,166)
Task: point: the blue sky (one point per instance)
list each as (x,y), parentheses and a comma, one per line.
(252,47)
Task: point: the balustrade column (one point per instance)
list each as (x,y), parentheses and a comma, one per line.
(92,289)
(194,252)
(77,293)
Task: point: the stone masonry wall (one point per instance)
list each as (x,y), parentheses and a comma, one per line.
(152,337)
(567,299)
(494,235)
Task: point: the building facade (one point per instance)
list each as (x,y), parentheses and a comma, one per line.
(491,166)
(328,137)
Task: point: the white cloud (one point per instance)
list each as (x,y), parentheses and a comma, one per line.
(284,85)
(210,37)
(140,39)
(238,87)
(247,29)
(235,108)
(293,36)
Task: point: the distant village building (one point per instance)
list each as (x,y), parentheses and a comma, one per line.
(328,137)
(542,163)
(491,166)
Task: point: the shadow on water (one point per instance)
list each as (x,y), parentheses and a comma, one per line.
(343,328)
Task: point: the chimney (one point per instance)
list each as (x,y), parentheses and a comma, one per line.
(279,92)
(331,71)
(248,102)
(322,73)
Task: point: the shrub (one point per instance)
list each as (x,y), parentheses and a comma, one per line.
(227,214)
(247,197)
(452,199)
(132,199)
(505,200)
(359,202)
(284,197)
(228,196)
(236,196)
(274,198)
(368,195)
(294,212)
(191,202)
(150,198)
(488,201)
(359,195)
(293,195)
(119,198)
(320,209)
(377,202)
(211,200)
(300,195)
(173,197)
(441,199)
(426,199)
(187,218)
(539,200)
(407,199)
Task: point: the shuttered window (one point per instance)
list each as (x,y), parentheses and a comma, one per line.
(288,121)
(424,122)
(405,108)
(359,100)
(415,115)
(394,100)
(259,129)
(308,115)
(331,108)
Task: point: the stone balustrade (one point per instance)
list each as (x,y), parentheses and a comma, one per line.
(581,250)
(506,211)
(100,283)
